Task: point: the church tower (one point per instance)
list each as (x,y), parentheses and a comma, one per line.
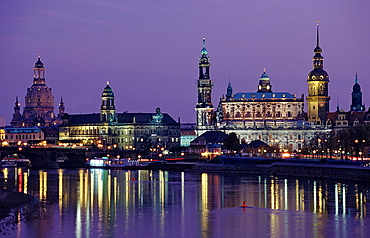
(204,107)
(229,91)
(17,111)
(318,79)
(61,108)
(107,109)
(356,105)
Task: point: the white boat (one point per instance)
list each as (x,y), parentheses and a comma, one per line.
(106,162)
(15,160)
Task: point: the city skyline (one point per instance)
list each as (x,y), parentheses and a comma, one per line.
(149,51)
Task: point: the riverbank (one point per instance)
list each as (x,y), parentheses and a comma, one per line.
(10,200)
(323,168)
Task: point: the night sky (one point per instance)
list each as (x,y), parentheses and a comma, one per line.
(148,49)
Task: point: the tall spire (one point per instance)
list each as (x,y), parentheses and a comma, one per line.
(318,90)
(317,34)
(318,60)
(229,91)
(61,108)
(204,62)
(357,97)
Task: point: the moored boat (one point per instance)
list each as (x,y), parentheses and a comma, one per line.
(106,162)
(15,160)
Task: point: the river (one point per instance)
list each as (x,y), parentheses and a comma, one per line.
(142,203)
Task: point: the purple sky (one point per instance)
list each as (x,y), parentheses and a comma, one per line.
(148,50)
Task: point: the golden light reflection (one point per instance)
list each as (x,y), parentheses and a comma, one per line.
(60,191)
(204,204)
(272,192)
(25,179)
(321,200)
(314,196)
(43,184)
(20,179)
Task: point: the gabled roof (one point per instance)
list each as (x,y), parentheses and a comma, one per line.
(257,144)
(211,137)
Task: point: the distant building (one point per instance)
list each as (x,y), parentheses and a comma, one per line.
(209,144)
(39,103)
(131,131)
(19,136)
(187,133)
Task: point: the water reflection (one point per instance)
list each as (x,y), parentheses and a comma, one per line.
(100,202)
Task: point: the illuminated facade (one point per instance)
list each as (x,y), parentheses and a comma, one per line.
(12,136)
(276,118)
(121,130)
(39,103)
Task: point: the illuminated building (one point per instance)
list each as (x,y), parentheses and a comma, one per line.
(132,131)
(276,118)
(341,119)
(318,80)
(39,103)
(22,135)
(187,133)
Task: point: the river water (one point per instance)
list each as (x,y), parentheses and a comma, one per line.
(141,203)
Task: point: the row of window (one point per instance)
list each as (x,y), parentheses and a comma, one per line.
(259,114)
(24,137)
(158,131)
(141,139)
(258,106)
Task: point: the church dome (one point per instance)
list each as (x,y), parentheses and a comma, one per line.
(107,92)
(264,76)
(318,74)
(39,64)
(356,88)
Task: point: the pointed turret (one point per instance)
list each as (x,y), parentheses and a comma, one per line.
(357,97)
(204,62)
(17,109)
(61,108)
(229,91)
